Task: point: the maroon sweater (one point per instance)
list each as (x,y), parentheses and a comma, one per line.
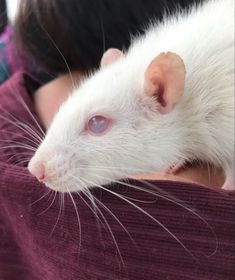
(40,242)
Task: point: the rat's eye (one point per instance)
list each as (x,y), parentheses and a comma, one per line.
(98,124)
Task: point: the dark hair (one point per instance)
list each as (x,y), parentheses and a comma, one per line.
(81,30)
(3,15)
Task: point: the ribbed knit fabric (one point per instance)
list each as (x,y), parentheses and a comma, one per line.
(184,231)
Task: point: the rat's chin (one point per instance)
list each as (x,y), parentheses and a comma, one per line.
(64,188)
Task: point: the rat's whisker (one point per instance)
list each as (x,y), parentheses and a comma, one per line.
(18,146)
(108,168)
(107,209)
(23,128)
(116,218)
(168,197)
(59,214)
(51,194)
(33,131)
(103,34)
(89,195)
(12,159)
(78,218)
(19,153)
(14,118)
(180,203)
(63,195)
(148,215)
(111,232)
(61,54)
(44,195)
(133,199)
(11,133)
(92,208)
(21,162)
(44,211)
(20,99)
(18,143)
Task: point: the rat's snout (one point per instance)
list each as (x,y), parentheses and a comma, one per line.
(38,170)
(50,167)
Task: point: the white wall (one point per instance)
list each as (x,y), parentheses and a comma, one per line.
(12,6)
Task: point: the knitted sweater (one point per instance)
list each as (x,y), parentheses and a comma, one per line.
(184,231)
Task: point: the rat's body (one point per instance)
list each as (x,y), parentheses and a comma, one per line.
(141,138)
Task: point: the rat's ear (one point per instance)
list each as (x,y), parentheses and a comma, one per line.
(110,56)
(165,79)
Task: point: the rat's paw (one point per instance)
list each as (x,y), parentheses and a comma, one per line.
(229,184)
(174,169)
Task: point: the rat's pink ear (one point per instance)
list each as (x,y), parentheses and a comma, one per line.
(165,79)
(110,56)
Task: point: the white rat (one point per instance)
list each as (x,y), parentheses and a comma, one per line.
(146,110)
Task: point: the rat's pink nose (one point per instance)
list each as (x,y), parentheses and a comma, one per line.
(38,171)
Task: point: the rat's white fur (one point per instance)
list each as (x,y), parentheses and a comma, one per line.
(201,126)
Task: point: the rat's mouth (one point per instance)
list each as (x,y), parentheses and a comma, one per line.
(63,184)
(60,187)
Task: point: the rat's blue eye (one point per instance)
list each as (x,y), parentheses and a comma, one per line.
(98,124)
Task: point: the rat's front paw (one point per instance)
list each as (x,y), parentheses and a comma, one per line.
(174,169)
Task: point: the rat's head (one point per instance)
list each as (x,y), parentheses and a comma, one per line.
(103,131)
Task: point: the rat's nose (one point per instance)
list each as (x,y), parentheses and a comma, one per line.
(38,170)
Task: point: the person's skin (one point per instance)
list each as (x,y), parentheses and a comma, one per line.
(49,97)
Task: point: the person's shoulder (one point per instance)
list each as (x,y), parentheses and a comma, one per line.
(20,81)
(11,88)
(18,119)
